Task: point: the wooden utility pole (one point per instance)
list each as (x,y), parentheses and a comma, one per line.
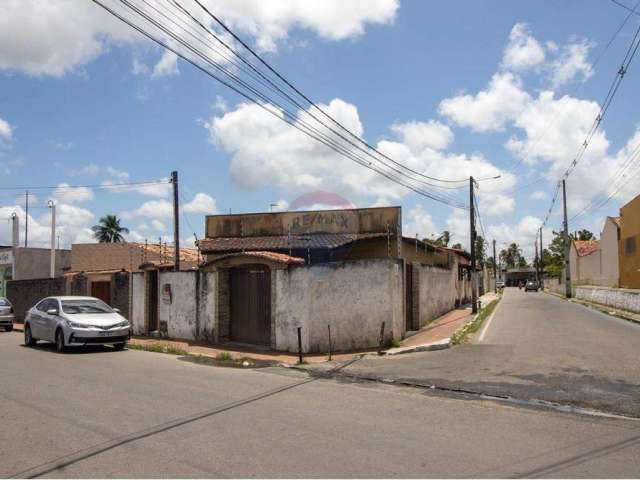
(176,222)
(472,235)
(495,260)
(567,244)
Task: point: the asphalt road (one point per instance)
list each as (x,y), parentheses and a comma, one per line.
(102,413)
(537,346)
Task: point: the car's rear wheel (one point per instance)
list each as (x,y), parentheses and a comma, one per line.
(29,341)
(119,346)
(60,347)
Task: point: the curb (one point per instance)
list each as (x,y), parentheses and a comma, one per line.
(599,307)
(426,347)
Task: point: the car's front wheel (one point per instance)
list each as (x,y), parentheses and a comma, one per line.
(119,346)
(29,341)
(60,347)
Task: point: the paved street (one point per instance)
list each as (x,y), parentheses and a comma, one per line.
(536,347)
(102,413)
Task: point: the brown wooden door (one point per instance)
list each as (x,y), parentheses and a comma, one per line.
(250,288)
(408,294)
(152,306)
(101,290)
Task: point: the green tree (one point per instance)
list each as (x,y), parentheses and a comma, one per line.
(443,240)
(553,257)
(109,230)
(583,234)
(457,246)
(481,251)
(512,257)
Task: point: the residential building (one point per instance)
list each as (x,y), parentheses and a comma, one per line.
(609,263)
(629,247)
(348,272)
(26,263)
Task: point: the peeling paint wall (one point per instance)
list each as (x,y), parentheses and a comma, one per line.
(353,297)
(440,291)
(137,304)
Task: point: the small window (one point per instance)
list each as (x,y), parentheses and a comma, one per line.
(630,246)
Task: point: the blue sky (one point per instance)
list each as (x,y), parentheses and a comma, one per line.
(449,88)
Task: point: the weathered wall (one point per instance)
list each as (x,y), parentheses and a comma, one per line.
(629,258)
(555,285)
(34,263)
(138,304)
(610,273)
(353,297)
(24,294)
(622,298)
(120,292)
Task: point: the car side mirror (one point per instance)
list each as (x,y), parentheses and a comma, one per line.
(52,311)
(117,310)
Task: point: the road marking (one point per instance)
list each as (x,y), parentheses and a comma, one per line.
(486,325)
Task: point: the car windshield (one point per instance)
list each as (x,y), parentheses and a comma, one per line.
(85,306)
(4,302)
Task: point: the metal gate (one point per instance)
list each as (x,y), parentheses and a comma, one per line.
(408,296)
(250,288)
(152,306)
(101,290)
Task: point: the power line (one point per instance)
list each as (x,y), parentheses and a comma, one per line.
(284,114)
(101,186)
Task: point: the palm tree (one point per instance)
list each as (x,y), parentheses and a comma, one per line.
(109,230)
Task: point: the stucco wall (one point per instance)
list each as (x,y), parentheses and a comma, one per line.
(138,303)
(609,254)
(32,263)
(353,297)
(628,262)
(622,298)
(24,294)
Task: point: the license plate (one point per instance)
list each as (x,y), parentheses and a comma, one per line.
(107,334)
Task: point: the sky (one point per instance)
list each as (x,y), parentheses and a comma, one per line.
(450,89)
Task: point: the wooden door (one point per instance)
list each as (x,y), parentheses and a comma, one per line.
(250,288)
(152,305)
(408,294)
(101,290)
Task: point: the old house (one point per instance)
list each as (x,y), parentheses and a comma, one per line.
(266,275)
(629,247)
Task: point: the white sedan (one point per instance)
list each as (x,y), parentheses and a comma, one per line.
(75,321)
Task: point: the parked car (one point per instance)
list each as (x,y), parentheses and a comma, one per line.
(71,321)
(6,314)
(499,284)
(531,285)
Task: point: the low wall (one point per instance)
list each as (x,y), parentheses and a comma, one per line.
(554,285)
(189,309)
(24,294)
(622,298)
(354,297)
(440,291)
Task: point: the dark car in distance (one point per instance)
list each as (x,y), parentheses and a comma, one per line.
(531,285)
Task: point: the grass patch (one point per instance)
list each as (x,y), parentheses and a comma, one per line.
(394,343)
(224,357)
(158,348)
(460,335)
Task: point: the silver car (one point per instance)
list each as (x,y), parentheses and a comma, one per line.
(6,314)
(71,321)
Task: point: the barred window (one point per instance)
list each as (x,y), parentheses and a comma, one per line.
(630,246)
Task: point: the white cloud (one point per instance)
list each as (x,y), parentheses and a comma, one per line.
(166,66)
(72,195)
(201,203)
(489,109)
(138,67)
(419,222)
(6,131)
(523,233)
(158,209)
(158,225)
(523,51)
(420,135)
(572,64)
(538,195)
(221,104)
(160,190)
(62,36)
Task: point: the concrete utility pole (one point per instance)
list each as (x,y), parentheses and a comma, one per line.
(495,260)
(472,235)
(15,230)
(52,206)
(176,222)
(26,218)
(567,244)
(536,261)
(541,257)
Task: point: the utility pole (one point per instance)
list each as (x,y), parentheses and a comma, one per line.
(52,206)
(176,222)
(567,245)
(541,257)
(495,277)
(15,230)
(472,235)
(536,262)
(26,218)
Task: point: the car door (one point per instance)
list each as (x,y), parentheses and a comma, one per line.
(36,321)
(50,322)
